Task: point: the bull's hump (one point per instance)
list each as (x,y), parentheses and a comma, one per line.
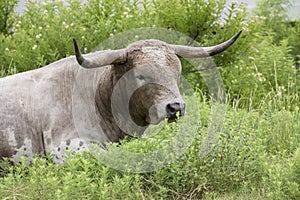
(148,43)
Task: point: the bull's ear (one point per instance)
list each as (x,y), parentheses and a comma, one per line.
(198,52)
(100,58)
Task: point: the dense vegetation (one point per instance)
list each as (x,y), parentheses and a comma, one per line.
(258,152)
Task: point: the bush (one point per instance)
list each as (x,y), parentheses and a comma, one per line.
(46,37)
(282,179)
(7,16)
(245,157)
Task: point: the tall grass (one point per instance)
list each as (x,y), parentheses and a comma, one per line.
(257,154)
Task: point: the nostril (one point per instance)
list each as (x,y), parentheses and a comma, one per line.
(173,108)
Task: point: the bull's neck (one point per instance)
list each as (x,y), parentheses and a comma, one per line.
(104,92)
(103,102)
(107,83)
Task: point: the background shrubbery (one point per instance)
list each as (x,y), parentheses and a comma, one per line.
(258,154)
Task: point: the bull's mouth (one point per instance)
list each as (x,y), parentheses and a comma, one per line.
(171,115)
(175,111)
(172,119)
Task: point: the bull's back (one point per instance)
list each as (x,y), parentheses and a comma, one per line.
(36,107)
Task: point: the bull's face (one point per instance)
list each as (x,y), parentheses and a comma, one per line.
(154,76)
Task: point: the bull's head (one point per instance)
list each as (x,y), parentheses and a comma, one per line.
(152,69)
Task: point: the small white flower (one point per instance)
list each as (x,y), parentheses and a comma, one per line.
(82,37)
(32,26)
(240,10)
(279,93)
(125,13)
(37,36)
(283,88)
(245,24)
(263,17)
(67,26)
(255,50)
(84,29)
(111,34)
(40,28)
(72,24)
(142,22)
(251,58)
(6,49)
(234,3)
(245,29)
(34,47)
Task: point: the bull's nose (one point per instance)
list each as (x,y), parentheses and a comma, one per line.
(173,108)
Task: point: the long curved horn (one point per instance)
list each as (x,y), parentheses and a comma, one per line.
(100,59)
(198,52)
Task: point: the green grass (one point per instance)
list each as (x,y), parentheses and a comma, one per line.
(257,157)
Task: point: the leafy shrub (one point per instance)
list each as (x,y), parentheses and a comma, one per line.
(282,179)
(7,16)
(243,157)
(46,37)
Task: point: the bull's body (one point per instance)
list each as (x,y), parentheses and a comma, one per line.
(64,106)
(36,111)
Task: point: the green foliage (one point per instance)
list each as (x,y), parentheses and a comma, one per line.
(81,177)
(7,16)
(281,179)
(278,23)
(275,13)
(255,151)
(264,75)
(46,37)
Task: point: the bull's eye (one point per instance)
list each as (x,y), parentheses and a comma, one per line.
(141,77)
